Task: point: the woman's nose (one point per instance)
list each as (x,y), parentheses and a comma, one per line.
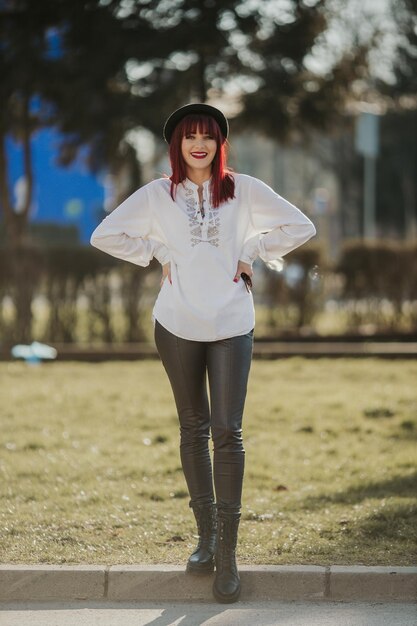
(199,141)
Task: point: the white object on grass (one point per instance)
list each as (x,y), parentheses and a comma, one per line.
(34,353)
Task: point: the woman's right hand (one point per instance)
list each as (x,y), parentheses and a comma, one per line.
(166,272)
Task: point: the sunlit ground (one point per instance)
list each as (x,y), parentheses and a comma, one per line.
(90,469)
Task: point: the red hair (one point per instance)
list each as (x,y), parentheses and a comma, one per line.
(222,186)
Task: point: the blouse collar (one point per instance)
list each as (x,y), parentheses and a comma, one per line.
(190,185)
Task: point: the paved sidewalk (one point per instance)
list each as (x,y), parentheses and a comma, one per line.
(168,583)
(211,614)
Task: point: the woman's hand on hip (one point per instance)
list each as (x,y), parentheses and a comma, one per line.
(243,267)
(166,272)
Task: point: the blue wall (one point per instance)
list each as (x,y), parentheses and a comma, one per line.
(62,195)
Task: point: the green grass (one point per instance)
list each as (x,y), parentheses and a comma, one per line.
(90,469)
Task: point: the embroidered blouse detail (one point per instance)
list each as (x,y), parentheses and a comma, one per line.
(203,221)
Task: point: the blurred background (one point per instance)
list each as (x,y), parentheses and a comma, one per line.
(322,100)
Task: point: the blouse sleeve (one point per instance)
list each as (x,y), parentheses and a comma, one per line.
(124,233)
(279,225)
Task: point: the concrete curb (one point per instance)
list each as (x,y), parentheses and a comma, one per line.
(166,583)
(261,350)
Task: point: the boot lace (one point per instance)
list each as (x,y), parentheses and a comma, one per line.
(206,521)
(227,542)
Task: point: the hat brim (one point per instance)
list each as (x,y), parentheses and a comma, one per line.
(197,108)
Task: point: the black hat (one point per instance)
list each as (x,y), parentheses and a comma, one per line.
(197,108)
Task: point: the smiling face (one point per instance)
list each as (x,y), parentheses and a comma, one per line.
(198,150)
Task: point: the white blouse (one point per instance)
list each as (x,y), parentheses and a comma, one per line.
(204,247)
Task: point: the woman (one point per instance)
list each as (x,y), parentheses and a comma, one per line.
(206,226)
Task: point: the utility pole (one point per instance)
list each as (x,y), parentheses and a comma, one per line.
(367,144)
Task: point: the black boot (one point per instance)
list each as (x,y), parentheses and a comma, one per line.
(226,587)
(202,559)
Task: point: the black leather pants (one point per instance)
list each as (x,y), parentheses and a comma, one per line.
(227,363)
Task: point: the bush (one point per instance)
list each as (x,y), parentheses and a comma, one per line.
(295,290)
(378,288)
(376,273)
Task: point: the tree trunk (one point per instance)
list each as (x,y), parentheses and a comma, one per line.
(202,83)
(24,271)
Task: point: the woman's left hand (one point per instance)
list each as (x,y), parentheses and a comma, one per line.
(243,267)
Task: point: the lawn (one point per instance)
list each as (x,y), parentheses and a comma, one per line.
(90,469)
